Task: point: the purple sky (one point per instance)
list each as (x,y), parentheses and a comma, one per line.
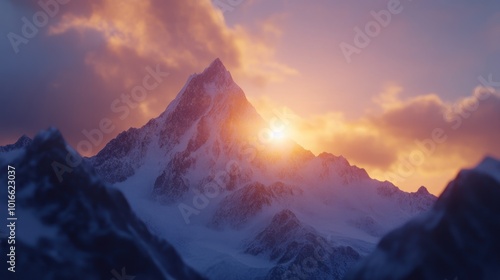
(284,53)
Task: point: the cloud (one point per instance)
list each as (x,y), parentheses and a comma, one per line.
(419,141)
(469,123)
(92,52)
(467,130)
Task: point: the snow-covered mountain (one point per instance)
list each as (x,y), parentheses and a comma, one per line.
(78,228)
(458,239)
(240,207)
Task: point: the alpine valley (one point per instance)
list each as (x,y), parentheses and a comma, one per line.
(200,188)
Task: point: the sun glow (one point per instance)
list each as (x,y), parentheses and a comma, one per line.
(277,134)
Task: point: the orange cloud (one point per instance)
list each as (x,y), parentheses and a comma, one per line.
(111,43)
(418,141)
(177,34)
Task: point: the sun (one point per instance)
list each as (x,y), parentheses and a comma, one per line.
(273,134)
(277,134)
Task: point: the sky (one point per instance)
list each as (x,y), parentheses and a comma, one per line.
(405,89)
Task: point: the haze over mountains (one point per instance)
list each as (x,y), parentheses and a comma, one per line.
(208,177)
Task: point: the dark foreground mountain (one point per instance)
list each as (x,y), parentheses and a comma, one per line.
(458,239)
(78,228)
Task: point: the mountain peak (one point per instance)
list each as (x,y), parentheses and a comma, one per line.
(202,92)
(50,136)
(211,94)
(216,65)
(423,191)
(217,73)
(22,142)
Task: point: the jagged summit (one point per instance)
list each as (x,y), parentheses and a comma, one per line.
(22,142)
(213,88)
(51,135)
(23,139)
(218,78)
(216,67)
(214,80)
